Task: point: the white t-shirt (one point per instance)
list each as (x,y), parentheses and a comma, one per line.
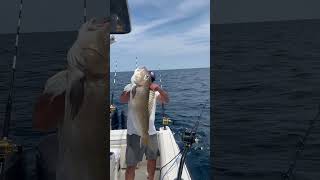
(131,129)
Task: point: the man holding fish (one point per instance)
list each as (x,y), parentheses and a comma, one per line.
(141,95)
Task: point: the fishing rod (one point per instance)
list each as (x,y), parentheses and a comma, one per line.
(84,10)
(113,108)
(7,146)
(300,147)
(189,138)
(136,62)
(114,81)
(165,120)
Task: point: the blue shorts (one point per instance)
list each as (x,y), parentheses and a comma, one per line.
(134,153)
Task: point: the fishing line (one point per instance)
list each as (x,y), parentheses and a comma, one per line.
(174,158)
(196,125)
(300,147)
(169,170)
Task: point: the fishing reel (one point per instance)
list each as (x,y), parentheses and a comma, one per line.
(8,147)
(189,138)
(166,121)
(112,108)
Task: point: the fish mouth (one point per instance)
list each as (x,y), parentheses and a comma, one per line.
(89,53)
(140,76)
(94,24)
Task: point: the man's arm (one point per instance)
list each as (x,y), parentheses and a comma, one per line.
(48,113)
(163,97)
(125,96)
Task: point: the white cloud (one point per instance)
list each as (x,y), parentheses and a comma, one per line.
(188,44)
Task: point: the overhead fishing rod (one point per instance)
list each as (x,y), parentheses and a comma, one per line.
(300,147)
(189,138)
(136,62)
(165,119)
(112,106)
(7,146)
(84,10)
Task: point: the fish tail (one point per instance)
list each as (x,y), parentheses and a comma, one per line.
(144,140)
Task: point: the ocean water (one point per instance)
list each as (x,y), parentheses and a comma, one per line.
(266,89)
(44,54)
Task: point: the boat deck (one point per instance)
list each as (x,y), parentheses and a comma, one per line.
(168,150)
(141,171)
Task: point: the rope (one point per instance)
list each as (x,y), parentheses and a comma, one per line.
(7,120)
(300,147)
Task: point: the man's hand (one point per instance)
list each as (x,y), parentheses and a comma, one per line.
(164,98)
(154,87)
(125,96)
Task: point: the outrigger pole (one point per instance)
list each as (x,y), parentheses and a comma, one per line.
(6,146)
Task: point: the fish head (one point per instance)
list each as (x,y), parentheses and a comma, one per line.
(141,77)
(88,59)
(92,47)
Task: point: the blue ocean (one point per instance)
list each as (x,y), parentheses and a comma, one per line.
(266,91)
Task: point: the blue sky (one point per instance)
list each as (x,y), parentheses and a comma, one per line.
(170,34)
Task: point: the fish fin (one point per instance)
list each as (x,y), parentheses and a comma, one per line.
(144,140)
(49,107)
(76,94)
(150,103)
(134,91)
(48,111)
(56,85)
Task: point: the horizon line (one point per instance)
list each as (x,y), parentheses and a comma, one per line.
(167,69)
(264,21)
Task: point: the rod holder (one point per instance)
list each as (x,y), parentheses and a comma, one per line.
(112,108)
(166,121)
(8,147)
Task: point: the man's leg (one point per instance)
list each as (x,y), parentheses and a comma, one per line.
(130,172)
(134,155)
(151,166)
(152,155)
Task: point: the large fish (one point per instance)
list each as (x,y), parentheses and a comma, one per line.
(82,129)
(141,102)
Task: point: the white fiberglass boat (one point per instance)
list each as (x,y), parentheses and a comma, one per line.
(168,162)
